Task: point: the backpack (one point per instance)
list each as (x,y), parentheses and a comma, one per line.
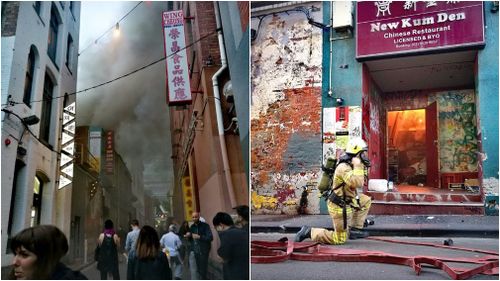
(107,248)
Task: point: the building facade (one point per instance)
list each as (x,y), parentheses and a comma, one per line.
(418,82)
(102,189)
(209,134)
(39,66)
(286,63)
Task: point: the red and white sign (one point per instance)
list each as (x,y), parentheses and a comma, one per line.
(178,83)
(109,157)
(401,27)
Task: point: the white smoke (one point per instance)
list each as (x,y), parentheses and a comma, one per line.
(134,106)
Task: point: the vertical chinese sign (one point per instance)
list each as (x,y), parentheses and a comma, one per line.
(189,198)
(68,146)
(178,83)
(109,156)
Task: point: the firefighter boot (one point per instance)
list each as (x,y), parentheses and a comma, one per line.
(304,232)
(356,233)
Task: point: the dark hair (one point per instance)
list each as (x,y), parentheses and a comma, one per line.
(47,242)
(135,222)
(222,218)
(148,243)
(108,224)
(242,210)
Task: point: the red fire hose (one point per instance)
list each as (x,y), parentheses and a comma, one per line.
(272,252)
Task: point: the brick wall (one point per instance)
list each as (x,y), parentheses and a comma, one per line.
(204,24)
(10,11)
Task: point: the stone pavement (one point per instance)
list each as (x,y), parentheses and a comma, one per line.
(401,225)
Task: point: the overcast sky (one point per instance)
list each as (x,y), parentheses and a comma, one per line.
(134,106)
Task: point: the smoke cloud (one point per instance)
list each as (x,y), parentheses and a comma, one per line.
(135,106)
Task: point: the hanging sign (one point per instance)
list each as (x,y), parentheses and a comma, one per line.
(188,197)
(109,156)
(68,149)
(178,83)
(387,28)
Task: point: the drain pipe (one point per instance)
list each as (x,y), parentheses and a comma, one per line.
(330,92)
(218,108)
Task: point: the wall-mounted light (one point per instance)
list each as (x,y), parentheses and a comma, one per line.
(117,30)
(31,120)
(339,101)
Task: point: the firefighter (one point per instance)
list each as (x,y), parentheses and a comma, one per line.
(346,207)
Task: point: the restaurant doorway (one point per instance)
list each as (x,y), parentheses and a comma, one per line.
(412,147)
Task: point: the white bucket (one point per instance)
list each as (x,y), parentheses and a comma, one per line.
(379,185)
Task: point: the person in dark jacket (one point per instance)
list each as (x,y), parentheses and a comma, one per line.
(201,237)
(37,254)
(107,257)
(146,261)
(242,221)
(233,247)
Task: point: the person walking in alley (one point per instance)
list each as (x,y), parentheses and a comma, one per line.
(146,260)
(109,242)
(233,247)
(132,236)
(186,253)
(347,209)
(171,243)
(186,245)
(37,253)
(201,237)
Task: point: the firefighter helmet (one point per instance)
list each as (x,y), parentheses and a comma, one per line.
(355,145)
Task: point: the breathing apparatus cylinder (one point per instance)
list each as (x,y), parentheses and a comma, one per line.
(327,177)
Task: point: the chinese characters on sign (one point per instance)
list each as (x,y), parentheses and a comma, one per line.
(400,27)
(179,88)
(68,146)
(109,160)
(189,198)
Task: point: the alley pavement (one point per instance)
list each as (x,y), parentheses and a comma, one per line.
(296,269)
(400,225)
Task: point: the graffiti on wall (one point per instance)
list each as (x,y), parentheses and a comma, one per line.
(376,131)
(286,151)
(458,145)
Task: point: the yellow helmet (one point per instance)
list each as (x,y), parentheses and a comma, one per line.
(355,145)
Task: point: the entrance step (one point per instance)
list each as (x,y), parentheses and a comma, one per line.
(426,208)
(426,197)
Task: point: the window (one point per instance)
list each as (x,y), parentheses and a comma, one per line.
(48,89)
(69,53)
(53,32)
(37,201)
(28,82)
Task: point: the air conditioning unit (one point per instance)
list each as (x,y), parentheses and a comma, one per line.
(342,14)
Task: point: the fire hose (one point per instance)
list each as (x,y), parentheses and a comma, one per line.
(284,249)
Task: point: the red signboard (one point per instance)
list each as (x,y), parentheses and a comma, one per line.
(401,27)
(109,159)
